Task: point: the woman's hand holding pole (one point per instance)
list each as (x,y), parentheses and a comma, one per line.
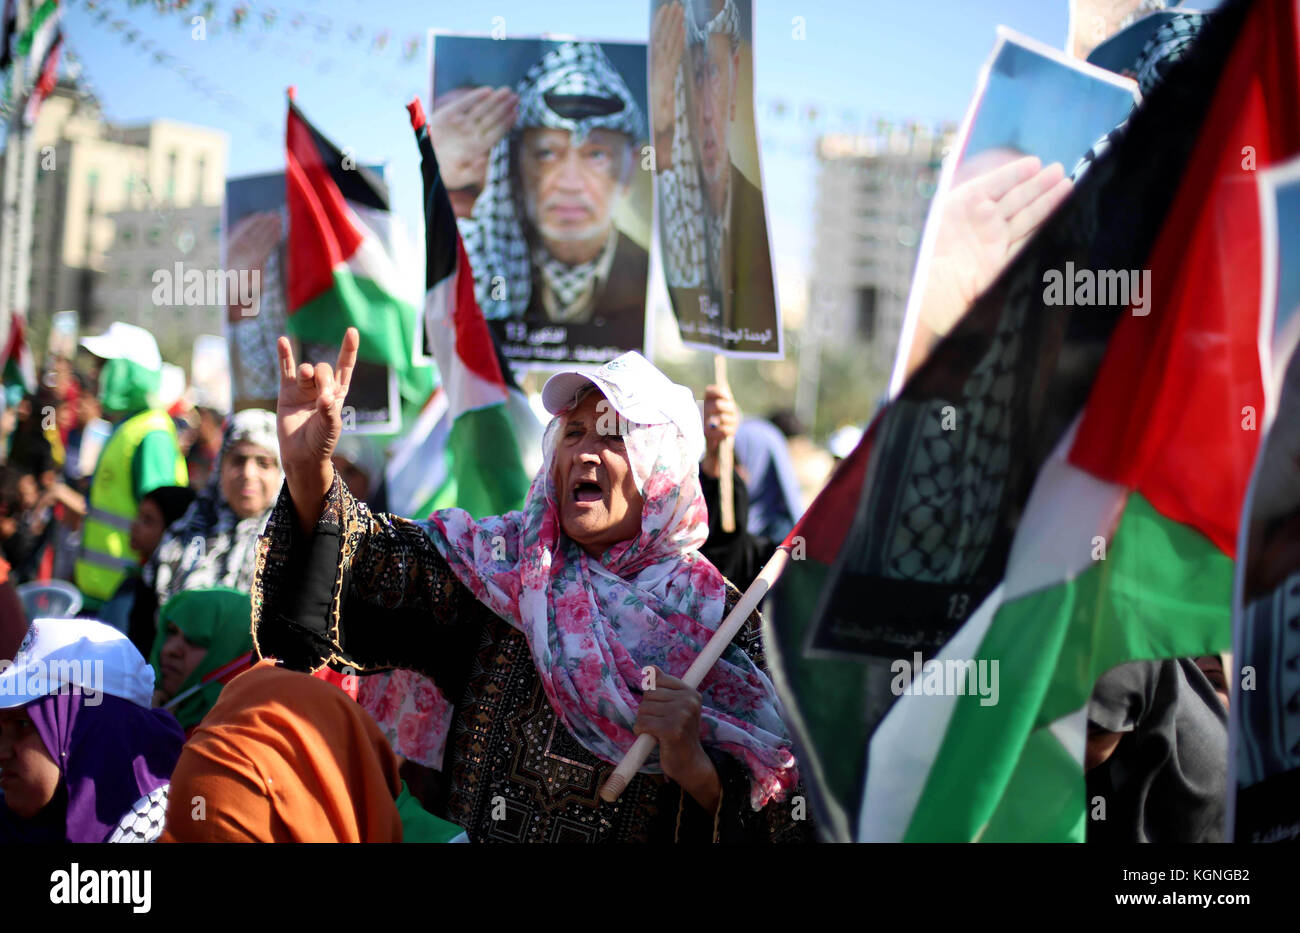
(703,663)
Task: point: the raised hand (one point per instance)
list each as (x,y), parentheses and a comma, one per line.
(986,220)
(253,239)
(1092,22)
(309,421)
(667,42)
(464,130)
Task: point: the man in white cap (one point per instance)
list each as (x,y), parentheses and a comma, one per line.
(141,454)
(555,635)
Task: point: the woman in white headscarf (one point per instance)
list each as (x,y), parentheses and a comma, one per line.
(213,543)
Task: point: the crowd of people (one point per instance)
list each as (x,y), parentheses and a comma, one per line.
(529,637)
(233,584)
(158,529)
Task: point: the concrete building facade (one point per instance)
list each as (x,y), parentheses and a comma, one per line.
(115,202)
(873,194)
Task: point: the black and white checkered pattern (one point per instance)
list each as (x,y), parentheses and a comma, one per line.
(144,821)
(1167,45)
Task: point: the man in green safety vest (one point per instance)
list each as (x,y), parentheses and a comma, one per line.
(141,454)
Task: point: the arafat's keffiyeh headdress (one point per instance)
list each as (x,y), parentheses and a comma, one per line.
(574,87)
(1168,44)
(700,25)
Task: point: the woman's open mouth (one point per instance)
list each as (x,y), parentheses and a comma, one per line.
(587,491)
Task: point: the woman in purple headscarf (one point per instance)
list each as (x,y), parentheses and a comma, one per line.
(83,758)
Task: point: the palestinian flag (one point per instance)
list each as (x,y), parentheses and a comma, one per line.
(1056,490)
(464,450)
(19,369)
(39,34)
(481,442)
(45,80)
(340,256)
(40,43)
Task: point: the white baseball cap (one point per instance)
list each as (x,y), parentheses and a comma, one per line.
(75,654)
(172,385)
(637,390)
(124,341)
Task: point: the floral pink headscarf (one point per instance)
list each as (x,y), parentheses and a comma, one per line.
(593,625)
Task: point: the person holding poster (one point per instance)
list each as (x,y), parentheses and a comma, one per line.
(713,226)
(548,253)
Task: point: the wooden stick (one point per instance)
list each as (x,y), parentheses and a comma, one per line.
(703,663)
(726,458)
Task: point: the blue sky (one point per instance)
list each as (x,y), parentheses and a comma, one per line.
(1039,106)
(859,60)
(1288,223)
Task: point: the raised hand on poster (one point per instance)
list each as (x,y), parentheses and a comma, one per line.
(464,129)
(986,220)
(667,43)
(309,422)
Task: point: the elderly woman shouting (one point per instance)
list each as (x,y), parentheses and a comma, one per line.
(558,633)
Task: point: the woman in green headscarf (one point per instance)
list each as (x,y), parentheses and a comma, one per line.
(203,641)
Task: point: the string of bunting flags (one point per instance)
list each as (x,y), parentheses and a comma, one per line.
(774,111)
(307,56)
(251,22)
(243,17)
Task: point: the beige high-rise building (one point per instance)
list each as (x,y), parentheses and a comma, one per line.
(115,202)
(873,193)
(141,264)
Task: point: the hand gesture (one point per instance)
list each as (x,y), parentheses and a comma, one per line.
(667,43)
(464,130)
(309,421)
(985,222)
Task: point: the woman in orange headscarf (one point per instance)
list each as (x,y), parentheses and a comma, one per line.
(285,757)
